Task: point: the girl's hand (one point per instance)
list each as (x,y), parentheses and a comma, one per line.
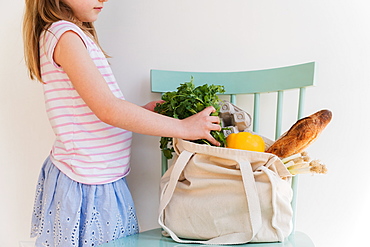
(151,105)
(199,126)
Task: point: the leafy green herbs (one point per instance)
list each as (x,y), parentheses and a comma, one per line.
(186,101)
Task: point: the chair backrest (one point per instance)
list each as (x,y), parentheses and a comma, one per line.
(246,82)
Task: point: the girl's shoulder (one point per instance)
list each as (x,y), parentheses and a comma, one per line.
(50,37)
(62,26)
(57,29)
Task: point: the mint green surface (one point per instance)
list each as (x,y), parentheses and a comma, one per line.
(154,238)
(241,82)
(244,82)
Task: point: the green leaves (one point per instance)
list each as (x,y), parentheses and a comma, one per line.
(186,101)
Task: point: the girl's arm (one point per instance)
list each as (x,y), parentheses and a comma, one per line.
(71,54)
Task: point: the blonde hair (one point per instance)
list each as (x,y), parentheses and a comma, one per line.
(38,17)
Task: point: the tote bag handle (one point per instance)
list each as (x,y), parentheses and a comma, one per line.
(251,196)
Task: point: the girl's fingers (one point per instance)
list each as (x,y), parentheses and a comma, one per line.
(213,141)
(214,119)
(151,105)
(208,110)
(216,127)
(205,123)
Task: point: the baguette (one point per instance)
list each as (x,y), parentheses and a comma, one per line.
(301,134)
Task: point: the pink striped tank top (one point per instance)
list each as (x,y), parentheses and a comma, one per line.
(85,149)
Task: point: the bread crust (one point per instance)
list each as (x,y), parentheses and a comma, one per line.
(301,134)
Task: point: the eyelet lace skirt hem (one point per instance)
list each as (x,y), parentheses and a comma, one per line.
(68,213)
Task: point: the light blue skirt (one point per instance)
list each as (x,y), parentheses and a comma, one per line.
(68,213)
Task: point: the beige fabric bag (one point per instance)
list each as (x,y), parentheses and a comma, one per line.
(214,195)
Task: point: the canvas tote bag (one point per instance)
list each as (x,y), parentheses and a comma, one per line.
(213,195)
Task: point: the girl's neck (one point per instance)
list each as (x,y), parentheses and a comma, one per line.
(79,23)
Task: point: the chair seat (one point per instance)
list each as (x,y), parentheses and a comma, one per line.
(154,238)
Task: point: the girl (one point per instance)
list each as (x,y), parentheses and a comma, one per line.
(82,197)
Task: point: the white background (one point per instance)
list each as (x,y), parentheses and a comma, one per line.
(209,35)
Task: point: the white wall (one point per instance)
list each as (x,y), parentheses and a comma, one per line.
(210,35)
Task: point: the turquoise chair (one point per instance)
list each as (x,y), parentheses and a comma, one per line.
(236,83)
